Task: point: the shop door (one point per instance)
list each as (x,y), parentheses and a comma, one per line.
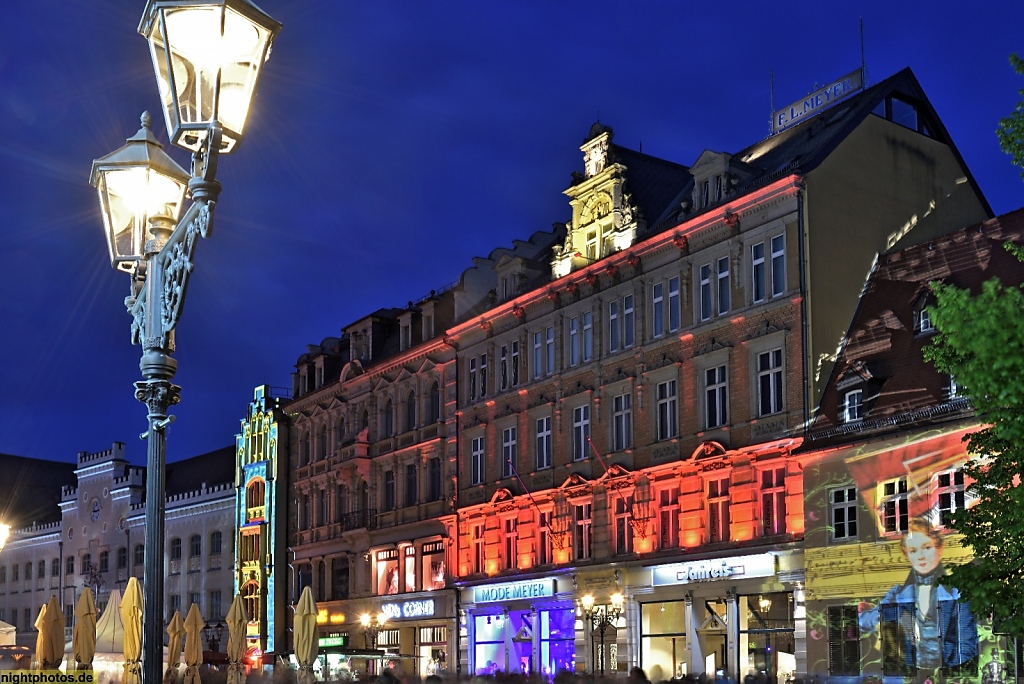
(713,636)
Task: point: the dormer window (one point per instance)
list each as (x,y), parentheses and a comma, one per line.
(904,112)
(922,318)
(950,390)
(924,322)
(853,407)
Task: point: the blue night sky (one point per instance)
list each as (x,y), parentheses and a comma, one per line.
(392,142)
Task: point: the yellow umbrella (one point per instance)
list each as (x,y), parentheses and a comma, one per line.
(306,645)
(47,650)
(237,620)
(193,646)
(176,632)
(83,639)
(131,618)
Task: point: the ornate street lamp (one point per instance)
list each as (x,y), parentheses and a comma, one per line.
(207,55)
(601,618)
(213,634)
(372,627)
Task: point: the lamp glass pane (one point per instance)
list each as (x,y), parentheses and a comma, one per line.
(129,196)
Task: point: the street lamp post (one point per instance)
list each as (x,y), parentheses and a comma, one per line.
(213,634)
(207,57)
(601,618)
(372,627)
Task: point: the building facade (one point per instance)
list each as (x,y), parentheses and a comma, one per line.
(97,541)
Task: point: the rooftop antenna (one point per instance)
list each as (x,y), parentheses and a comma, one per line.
(863,64)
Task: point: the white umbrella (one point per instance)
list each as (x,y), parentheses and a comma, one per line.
(83,639)
(131,617)
(306,646)
(193,646)
(237,621)
(176,634)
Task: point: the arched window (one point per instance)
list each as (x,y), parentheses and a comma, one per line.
(410,410)
(176,549)
(322,446)
(389,420)
(104,561)
(86,563)
(251,596)
(304,449)
(255,499)
(195,546)
(216,543)
(339,431)
(433,404)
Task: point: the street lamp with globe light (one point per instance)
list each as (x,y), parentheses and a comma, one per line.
(207,56)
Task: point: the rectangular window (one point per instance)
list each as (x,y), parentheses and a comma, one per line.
(510,541)
(588,336)
(769,382)
(724,289)
(581,432)
(716,399)
(389,490)
(622,513)
(853,406)
(757,272)
(898,657)
(217,606)
(952,495)
(538,354)
(472,379)
(477,459)
(773,501)
(483,375)
(705,292)
(705,192)
(613,326)
(844,513)
(515,363)
(543,442)
(668,518)
(843,641)
(667,410)
(622,422)
(544,547)
(895,511)
(508,451)
(778,265)
(627,321)
(411,485)
(503,358)
(434,473)
(673,304)
(582,537)
(574,341)
(718,510)
(549,346)
(477,546)
(657,312)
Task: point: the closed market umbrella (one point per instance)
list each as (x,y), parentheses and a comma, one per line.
(83,638)
(55,626)
(49,652)
(176,634)
(193,645)
(237,621)
(306,646)
(131,618)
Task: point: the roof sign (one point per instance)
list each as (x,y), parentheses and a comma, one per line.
(816,102)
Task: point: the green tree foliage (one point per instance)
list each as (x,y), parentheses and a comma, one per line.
(1011,128)
(981,344)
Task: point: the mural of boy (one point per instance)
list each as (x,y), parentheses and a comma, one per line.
(923,623)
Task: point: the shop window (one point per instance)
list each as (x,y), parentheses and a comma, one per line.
(433,566)
(663,642)
(767,636)
(387,572)
(410,568)
(843,641)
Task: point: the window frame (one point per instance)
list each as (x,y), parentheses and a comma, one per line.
(509,450)
(843,500)
(542,442)
(478,455)
(622,421)
(666,410)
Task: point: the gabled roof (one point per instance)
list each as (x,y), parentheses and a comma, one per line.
(882,339)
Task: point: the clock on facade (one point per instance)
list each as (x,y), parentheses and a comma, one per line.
(95,515)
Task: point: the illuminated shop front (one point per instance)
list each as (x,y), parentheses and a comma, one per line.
(730,616)
(524,627)
(417,635)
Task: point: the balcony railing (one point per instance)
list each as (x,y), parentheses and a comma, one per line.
(357,520)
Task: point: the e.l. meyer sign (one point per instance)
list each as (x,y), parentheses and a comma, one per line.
(513,591)
(734,567)
(816,102)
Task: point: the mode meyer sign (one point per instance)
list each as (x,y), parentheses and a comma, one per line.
(816,101)
(511,591)
(734,567)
